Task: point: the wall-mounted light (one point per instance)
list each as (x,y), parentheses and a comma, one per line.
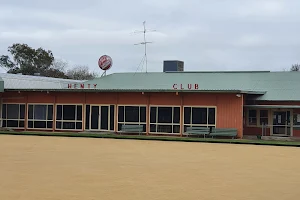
(143,93)
(238,95)
(176,93)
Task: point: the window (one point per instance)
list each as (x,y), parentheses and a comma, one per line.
(252,117)
(13,115)
(135,115)
(164,119)
(100,117)
(40,116)
(264,119)
(69,117)
(199,116)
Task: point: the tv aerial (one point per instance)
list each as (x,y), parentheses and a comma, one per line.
(145,42)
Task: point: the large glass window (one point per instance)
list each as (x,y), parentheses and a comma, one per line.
(13,115)
(69,117)
(100,117)
(164,119)
(135,115)
(199,116)
(40,116)
(252,117)
(264,119)
(257,117)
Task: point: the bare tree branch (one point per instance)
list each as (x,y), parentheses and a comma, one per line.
(295,68)
(81,73)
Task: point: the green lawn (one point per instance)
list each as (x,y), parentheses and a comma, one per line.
(158,138)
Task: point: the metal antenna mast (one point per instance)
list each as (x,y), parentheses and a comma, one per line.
(144,59)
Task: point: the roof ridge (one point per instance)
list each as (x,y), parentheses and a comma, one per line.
(25,77)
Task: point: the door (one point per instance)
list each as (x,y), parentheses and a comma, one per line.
(101,117)
(281,123)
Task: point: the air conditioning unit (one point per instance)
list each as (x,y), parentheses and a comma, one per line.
(173,66)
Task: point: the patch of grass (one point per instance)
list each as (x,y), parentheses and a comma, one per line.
(157,138)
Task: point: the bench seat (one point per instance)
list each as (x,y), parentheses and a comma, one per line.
(224,132)
(128,128)
(200,131)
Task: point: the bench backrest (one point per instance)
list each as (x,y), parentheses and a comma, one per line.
(197,129)
(127,127)
(224,130)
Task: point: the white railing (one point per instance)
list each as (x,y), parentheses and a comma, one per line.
(264,128)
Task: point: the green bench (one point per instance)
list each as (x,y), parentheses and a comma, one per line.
(128,128)
(223,132)
(200,131)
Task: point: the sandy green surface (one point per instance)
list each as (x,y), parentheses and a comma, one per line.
(53,168)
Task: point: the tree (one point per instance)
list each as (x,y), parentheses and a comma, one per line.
(81,73)
(295,68)
(28,61)
(58,69)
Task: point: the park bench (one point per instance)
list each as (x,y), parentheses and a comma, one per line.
(128,128)
(200,131)
(223,132)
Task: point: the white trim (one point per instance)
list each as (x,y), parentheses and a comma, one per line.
(19,114)
(248,118)
(260,117)
(33,120)
(197,106)
(124,113)
(62,114)
(172,124)
(207,116)
(1,124)
(286,125)
(99,118)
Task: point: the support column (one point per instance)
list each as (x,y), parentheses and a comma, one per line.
(54,114)
(26,113)
(1,111)
(84,112)
(181,115)
(242,130)
(116,113)
(148,115)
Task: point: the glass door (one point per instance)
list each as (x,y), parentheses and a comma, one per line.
(100,117)
(281,123)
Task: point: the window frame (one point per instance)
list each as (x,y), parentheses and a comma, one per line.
(32,120)
(168,124)
(248,118)
(207,117)
(130,105)
(75,121)
(258,117)
(99,121)
(19,119)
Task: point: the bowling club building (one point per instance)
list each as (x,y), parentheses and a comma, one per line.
(253,102)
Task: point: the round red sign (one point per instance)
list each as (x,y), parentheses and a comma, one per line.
(105,62)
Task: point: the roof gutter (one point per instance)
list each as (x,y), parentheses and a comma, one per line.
(272,106)
(138,90)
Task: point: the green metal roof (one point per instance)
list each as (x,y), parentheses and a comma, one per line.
(273,106)
(274,86)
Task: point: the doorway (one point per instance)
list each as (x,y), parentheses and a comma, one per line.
(281,123)
(100,117)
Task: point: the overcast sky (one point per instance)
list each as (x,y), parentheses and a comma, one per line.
(205,34)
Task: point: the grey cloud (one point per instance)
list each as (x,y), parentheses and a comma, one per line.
(207,34)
